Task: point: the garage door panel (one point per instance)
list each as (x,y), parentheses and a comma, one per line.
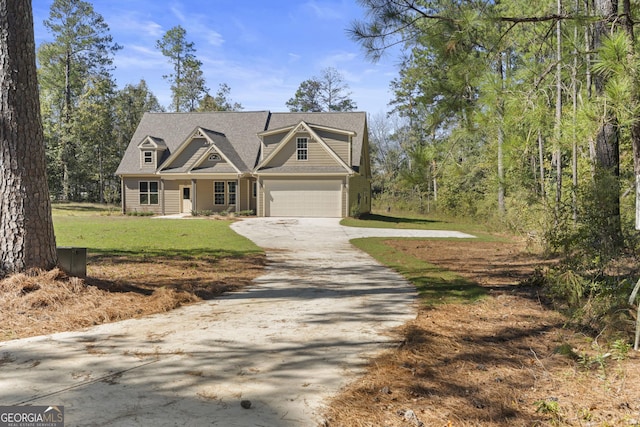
(319,198)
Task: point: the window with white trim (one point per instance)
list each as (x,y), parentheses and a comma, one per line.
(149,194)
(147,157)
(232,186)
(302,148)
(218,193)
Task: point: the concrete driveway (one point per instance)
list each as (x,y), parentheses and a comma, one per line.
(286,344)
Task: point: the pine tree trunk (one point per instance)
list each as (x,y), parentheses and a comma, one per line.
(541,165)
(635,95)
(558,122)
(26,228)
(501,194)
(607,148)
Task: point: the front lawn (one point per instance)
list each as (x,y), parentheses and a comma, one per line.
(151,237)
(135,266)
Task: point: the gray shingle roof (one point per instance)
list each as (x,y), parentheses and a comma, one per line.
(353,121)
(240,128)
(234,133)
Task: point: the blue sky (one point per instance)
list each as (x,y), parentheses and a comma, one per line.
(262,49)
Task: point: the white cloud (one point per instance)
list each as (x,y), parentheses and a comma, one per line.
(334,59)
(198,26)
(176,9)
(326,11)
(130,23)
(213,38)
(140,57)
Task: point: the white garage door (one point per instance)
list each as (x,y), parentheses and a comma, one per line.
(317,198)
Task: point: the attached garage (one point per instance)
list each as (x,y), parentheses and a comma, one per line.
(305,198)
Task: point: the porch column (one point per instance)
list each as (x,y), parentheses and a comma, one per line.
(194,204)
(238,192)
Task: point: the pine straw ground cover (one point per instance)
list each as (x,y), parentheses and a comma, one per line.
(116,288)
(502,360)
(136,266)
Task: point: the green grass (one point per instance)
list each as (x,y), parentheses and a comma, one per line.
(434,284)
(117,235)
(83,209)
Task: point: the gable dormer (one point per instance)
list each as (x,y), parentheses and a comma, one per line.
(306,145)
(151,151)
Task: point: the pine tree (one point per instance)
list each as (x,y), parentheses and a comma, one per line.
(187,80)
(82,48)
(26,227)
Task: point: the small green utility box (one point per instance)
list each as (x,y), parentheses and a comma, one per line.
(73,261)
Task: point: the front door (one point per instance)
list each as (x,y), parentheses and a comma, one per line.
(185,197)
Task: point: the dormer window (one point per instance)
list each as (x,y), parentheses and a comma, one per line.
(302,148)
(147,157)
(214,157)
(151,151)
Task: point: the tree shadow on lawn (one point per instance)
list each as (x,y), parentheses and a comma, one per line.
(144,255)
(398,220)
(75,207)
(205,276)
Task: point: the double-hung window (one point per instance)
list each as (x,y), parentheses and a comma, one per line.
(218,192)
(224,192)
(231,185)
(148,192)
(302,148)
(147,157)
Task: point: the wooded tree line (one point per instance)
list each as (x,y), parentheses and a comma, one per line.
(88,121)
(525,112)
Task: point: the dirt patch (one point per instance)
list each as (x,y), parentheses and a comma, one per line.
(506,360)
(116,289)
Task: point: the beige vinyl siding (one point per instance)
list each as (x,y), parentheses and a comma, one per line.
(338,143)
(344,201)
(132,196)
(172,195)
(188,156)
(359,186)
(317,154)
(253,201)
(260,198)
(365,163)
(271,142)
(204,196)
(246,201)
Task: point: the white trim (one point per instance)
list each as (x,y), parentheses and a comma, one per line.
(301,150)
(301,127)
(149,193)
